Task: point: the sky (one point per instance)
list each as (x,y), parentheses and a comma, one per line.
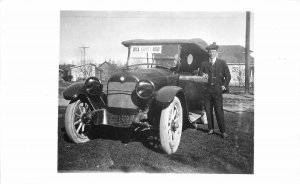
(103,31)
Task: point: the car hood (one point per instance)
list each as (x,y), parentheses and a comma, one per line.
(159,77)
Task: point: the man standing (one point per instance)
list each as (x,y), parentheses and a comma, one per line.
(218,75)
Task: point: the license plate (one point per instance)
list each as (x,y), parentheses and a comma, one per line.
(121,119)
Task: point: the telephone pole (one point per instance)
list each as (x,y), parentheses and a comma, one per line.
(83,48)
(247,65)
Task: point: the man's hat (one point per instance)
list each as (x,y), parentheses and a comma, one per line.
(212,46)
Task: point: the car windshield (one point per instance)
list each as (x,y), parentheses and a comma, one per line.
(153,55)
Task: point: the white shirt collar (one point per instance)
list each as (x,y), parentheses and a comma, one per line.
(212,61)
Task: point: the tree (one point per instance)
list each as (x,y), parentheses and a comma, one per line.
(86,70)
(67,77)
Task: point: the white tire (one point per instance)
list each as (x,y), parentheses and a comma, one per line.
(170,127)
(75,128)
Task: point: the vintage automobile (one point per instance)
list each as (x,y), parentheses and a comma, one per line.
(156,90)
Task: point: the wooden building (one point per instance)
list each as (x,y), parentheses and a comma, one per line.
(234,55)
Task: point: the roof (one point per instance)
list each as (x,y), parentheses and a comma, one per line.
(195,41)
(233,54)
(105,62)
(66,66)
(83,65)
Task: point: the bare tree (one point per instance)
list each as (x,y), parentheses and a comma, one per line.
(86,70)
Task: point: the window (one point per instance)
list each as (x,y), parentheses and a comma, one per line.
(190,59)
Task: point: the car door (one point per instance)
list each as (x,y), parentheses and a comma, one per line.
(194,86)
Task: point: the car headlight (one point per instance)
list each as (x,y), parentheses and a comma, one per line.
(144,89)
(93,86)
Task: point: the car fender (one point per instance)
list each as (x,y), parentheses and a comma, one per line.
(73,91)
(165,96)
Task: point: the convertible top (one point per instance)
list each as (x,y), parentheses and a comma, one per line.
(197,42)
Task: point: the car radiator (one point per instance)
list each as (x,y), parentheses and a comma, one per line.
(119,95)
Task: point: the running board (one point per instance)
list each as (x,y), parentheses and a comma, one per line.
(194,116)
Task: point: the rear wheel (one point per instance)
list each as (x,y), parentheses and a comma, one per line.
(76,122)
(170,127)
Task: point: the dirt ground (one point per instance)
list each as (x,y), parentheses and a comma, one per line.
(114,151)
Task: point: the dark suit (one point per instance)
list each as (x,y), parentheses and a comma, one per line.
(218,75)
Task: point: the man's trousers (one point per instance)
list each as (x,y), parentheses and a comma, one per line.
(214,100)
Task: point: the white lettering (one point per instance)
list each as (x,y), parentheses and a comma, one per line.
(147,49)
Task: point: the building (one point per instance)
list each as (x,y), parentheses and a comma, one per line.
(107,70)
(61,74)
(234,55)
(82,72)
(65,71)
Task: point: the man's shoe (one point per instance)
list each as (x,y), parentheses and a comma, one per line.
(210,132)
(224,135)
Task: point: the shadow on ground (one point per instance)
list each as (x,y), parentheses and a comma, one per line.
(149,138)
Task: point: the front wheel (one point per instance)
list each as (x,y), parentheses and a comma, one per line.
(76,122)
(170,127)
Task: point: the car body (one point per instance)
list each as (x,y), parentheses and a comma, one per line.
(158,89)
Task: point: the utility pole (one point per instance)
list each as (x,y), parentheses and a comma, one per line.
(83,48)
(247,65)
(83,67)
